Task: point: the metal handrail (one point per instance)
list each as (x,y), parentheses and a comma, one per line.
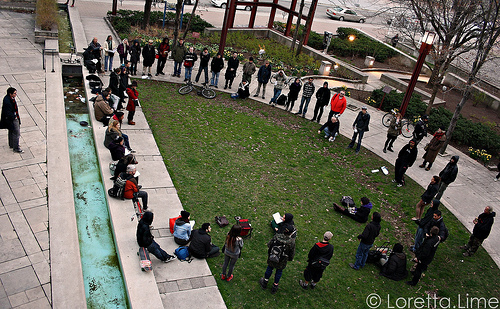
(43,57)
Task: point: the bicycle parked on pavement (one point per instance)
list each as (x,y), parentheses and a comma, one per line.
(204,91)
(407,125)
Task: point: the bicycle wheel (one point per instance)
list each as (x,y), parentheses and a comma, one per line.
(386,120)
(407,129)
(185,89)
(208,93)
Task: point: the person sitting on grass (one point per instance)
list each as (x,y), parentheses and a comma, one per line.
(201,243)
(286,224)
(331,128)
(243,90)
(395,267)
(360,214)
(182,229)
(146,240)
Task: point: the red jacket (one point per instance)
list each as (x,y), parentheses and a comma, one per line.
(338,105)
(130,188)
(132,96)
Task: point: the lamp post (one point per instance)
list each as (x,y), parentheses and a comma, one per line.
(425,48)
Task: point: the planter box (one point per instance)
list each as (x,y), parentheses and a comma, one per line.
(41,35)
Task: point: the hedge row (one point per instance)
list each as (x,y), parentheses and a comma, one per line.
(393,99)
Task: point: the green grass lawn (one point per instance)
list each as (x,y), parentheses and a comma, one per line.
(244,158)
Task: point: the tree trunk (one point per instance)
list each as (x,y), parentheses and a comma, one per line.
(147,14)
(299,19)
(435,89)
(308,21)
(178,8)
(188,26)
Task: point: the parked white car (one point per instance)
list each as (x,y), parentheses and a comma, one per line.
(223,3)
(342,14)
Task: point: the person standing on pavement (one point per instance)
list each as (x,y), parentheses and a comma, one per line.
(280,83)
(204,59)
(448,175)
(163,50)
(232,66)
(425,255)
(322,99)
(135,56)
(10,119)
(338,104)
(149,56)
(216,66)
(427,197)
(109,53)
(263,77)
(317,260)
(133,101)
(432,149)
(178,52)
(293,94)
(366,240)
(95,48)
(420,130)
(393,131)
(482,229)
(248,70)
(360,126)
(123,50)
(307,93)
(189,60)
(406,157)
(146,240)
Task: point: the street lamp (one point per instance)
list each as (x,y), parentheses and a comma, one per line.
(352,37)
(425,48)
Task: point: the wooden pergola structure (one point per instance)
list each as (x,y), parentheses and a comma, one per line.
(231,12)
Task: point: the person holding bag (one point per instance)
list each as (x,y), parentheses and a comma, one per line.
(432,149)
(232,251)
(392,133)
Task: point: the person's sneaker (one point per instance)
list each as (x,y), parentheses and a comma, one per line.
(263,97)
(313,285)
(390,149)
(149,74)
(225,87)
(18,150)
(384,150)
(353,267)
(169,259)
(230,278)
(157,74)
(223,277)
(263,283)
(229,87)
(303,284)
(216,87)
(414,219)
(463,247)
(399,185)
(357,151)
(132,123)
(394,180)
(421,166)
(496,179)
(331,139)
(427,168)
(274,289)
(256,95)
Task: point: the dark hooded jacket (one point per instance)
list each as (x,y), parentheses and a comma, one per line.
(135,52)
(450,171)
(483,226)
(144,236)
(201,244)
(395,268)
(425,253)
(370,232)
(429,194)
(443,231)
(429,214)
(323,95)
(264,74)
(407,155)
(217,64)
(287,224)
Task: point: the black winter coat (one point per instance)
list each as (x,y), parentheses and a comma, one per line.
(483,226)
(232,66)
(395,268)
(425,253)
(323,96)
(204,60)
(420,130)
(450,171)
(370,232)
(362,121)
(294,91)
(429,194)
(264,74)
(407,155)
(320,249)
(443,231)
(201,244)
(114,83)
(332,127)
(144,236)
(217,64)
(148,53)
(135,52)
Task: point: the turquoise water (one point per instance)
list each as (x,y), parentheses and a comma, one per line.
(102,276)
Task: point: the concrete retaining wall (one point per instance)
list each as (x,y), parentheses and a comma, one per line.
(452,80)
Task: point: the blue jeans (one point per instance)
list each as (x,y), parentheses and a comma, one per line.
(14,134)
(362,255)
(419,238)
(106,59)
(187,72)
(231,261)
(302,101)
(277,276)
(177,68)
(204,70)
(328,133)
(277,93)
(215,79)
(360,133)
(155,250)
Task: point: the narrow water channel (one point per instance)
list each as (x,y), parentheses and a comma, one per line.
(102,276)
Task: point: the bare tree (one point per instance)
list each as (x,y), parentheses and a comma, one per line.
(489,33)
(147,14)
(299,19)
(178,8)
(308,21)
(188,26)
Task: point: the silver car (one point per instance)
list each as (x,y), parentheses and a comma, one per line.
(223,3)
(344,14)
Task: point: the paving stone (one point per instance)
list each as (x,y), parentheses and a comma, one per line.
(19,280)
(5,303)
(170,286)
(184,284)
(35,293)
(3,211)
(11,250)
(48,292)
(41,303)
(2,292)
(18,299)
(43,239)
(7,231)
(16,174)
(27,193)
(12,208)
(197,283)
(14,264)
(161,288)
(37,257)
(24,233)
(210,281)
(42,271)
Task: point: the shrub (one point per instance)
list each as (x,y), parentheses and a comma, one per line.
(362,46)
(198,24)
(46,14)
(393,99)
